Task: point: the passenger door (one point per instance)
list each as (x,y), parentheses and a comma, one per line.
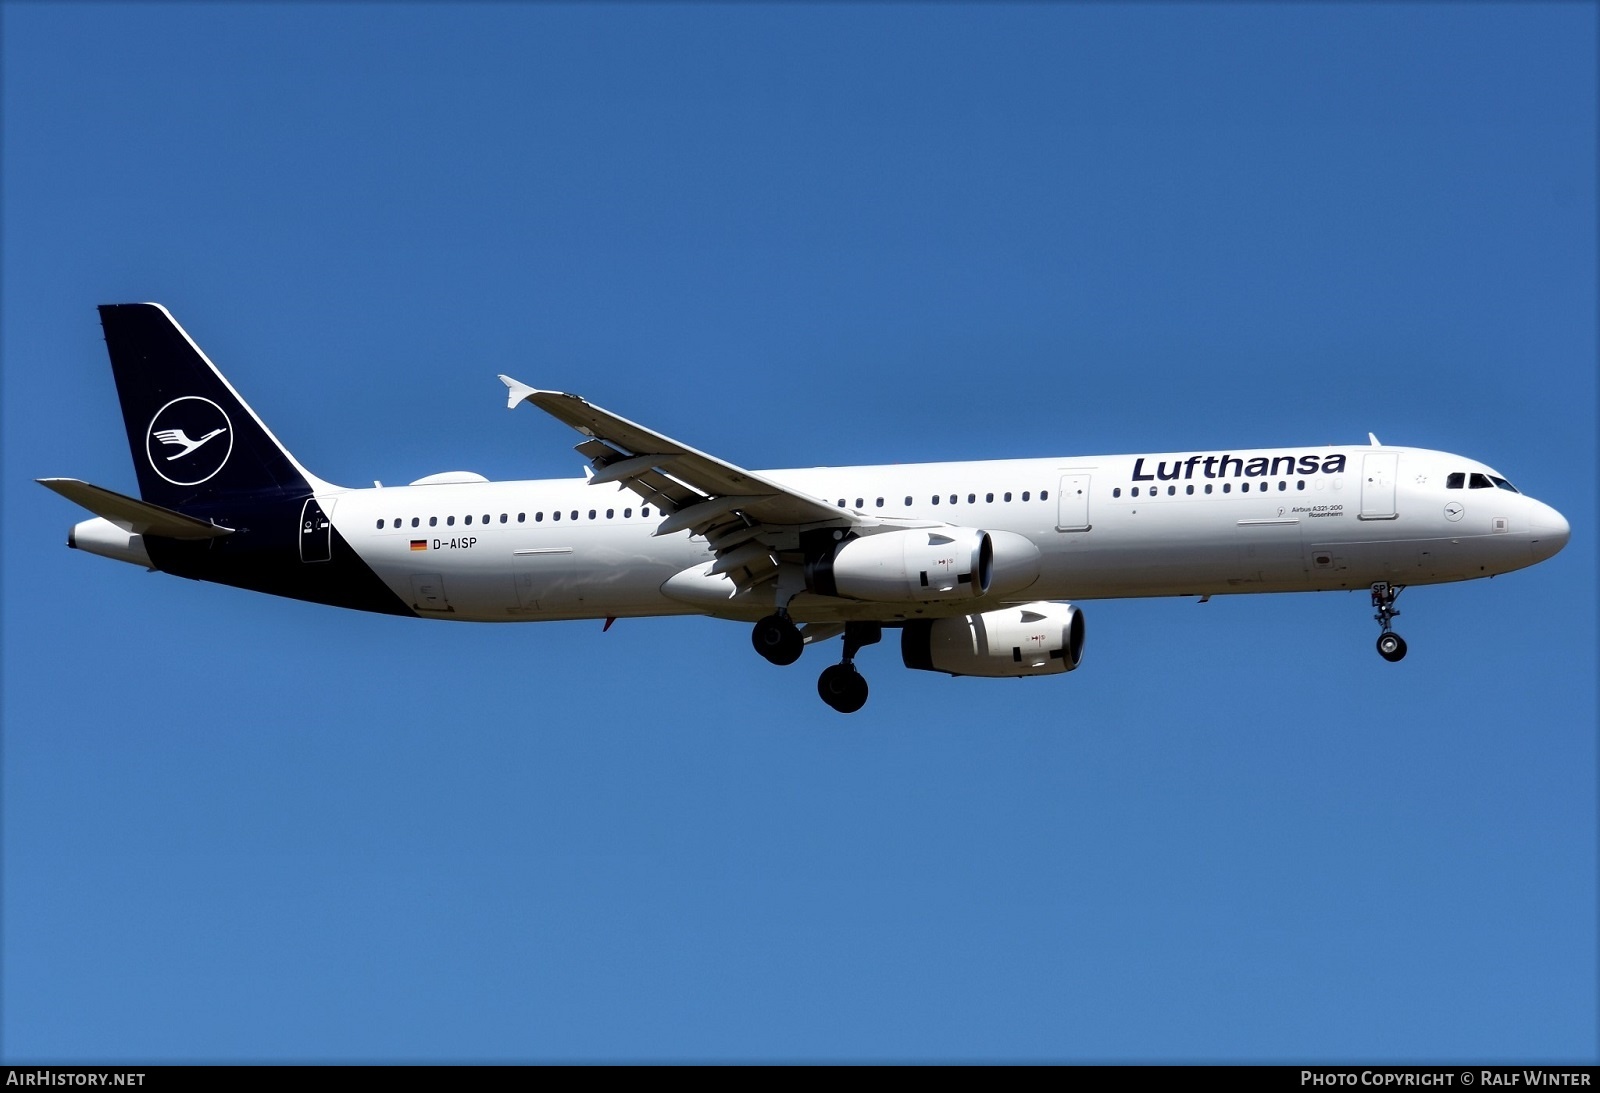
(1072,503)
(1378,473)
(316,532)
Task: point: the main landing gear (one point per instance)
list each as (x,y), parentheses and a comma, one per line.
(840,685)
(1391,646)
(778,640)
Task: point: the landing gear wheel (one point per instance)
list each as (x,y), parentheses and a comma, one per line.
(842,687)
(1391,646)
(778,639)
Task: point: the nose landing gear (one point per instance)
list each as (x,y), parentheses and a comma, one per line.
(1391,646)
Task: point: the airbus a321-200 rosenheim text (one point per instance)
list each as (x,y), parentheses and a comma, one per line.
(977,564)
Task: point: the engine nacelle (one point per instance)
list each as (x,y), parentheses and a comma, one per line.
(1016,563)
(100,536)
(916,566)
(1036,639)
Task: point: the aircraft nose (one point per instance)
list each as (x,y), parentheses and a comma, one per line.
(1550,531)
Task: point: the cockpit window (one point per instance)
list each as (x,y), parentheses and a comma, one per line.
(1481,482)
(1502,483)
(1456,481)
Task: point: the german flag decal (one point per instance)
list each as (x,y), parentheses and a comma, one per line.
(419,544)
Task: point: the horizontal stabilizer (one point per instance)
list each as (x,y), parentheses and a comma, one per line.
(131,514)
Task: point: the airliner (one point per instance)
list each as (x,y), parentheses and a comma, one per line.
(979,565)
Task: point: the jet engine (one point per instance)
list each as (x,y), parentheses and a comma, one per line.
(1036,639)
(907,566)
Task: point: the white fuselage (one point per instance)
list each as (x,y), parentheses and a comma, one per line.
(1281,520)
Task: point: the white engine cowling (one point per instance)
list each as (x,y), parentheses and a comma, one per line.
(100,536)
(914,566)
(1036,639)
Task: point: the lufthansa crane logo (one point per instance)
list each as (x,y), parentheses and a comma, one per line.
(189,440)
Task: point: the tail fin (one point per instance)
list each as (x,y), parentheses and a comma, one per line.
(194,440)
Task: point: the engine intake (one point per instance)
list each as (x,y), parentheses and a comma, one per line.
(1036,639)
(914,566)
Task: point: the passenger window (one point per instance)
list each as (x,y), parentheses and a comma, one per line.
(952,498)
(522,517)
(1481,482)
(1134,492)
(1227,487)
(1282,486)
(1455,481)
(538,517)
(433,521)
(972,499)
(416,521)
(880,502)
(988,498)
(467,519)
(1189,489)
(1115,492)
(627,514)
(574,514)
(1300,485)
(591,514)
(908,502)
(380,525)
(841,502)
(449,521)
(935,499)
(860,503)
(1208,487)
(1024,495)
(486,517)
(1172,491)
(1244,487)
(1008,496)
(645,512)
(502,517)
(610,513)
(1044,495)
(555,515)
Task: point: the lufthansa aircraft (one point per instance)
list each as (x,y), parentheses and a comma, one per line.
(971,562)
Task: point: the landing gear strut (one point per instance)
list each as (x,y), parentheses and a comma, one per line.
(840,685)
(778,639)
(1391,646)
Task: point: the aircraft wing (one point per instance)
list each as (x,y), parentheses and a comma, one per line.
(748,520)
(675,477)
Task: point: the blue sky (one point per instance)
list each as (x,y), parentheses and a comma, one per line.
(238,828)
